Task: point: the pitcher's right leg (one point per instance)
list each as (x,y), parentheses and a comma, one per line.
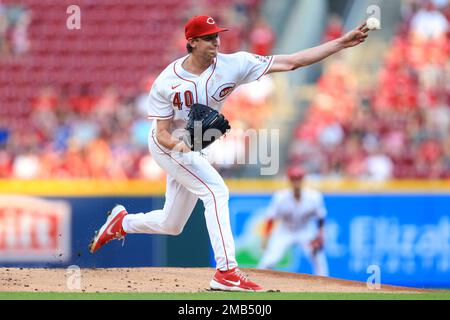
(198,176)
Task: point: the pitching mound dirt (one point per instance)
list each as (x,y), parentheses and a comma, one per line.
(170,280)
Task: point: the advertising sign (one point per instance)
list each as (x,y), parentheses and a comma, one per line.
(33,229)
(406,236)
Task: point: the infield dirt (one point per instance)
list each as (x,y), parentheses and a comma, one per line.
(172,280)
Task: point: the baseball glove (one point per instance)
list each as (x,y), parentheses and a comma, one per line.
(316,244)
(204,126)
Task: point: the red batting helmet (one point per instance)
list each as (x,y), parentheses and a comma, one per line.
(200,26)
(295,173)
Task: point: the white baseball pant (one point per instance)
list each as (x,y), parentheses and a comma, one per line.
(282,239)
(189,177)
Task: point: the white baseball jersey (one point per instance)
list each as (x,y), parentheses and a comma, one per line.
(296,215)
(176,90)
(190,176)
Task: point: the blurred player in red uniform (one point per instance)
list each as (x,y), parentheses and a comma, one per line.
(300,213)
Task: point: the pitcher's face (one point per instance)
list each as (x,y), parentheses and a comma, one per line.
(208,46)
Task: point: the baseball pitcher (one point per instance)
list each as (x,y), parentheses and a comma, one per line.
(183,106)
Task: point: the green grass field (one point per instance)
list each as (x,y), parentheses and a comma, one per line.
(444,295)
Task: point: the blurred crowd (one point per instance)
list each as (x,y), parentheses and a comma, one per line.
(86,135)
(14,22)
(400,128)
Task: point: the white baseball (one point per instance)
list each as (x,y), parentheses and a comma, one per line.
(373,23)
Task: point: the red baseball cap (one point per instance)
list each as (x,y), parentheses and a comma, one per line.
(295,173)
(199,26)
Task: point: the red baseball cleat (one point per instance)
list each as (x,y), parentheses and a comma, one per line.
(112,229)
(233,280)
